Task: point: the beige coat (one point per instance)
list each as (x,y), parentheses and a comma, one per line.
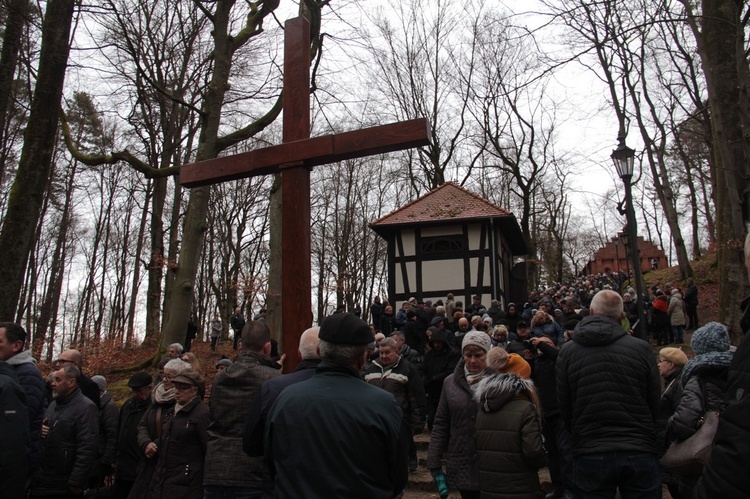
(677,310)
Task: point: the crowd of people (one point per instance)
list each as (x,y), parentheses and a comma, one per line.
(560,381)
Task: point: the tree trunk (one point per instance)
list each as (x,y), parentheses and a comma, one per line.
(130,329)
(721,47)
(15,23)
(35,165)
(177,311)
(156,263)
(48,310)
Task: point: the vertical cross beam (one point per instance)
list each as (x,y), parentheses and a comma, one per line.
(296,271)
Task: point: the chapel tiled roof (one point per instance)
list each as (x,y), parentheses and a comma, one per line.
(448,202)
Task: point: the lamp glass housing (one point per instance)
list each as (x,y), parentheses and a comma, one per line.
(623,158)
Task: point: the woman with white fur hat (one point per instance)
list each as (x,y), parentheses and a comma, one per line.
(508,430)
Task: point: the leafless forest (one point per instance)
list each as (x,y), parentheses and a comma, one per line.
(102,102)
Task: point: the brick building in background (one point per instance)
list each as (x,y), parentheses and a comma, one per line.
(614,256)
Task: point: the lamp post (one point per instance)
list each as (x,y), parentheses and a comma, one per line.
(616,240)
(625,240)
(623,158)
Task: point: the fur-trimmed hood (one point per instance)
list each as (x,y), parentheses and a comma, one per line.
(496,390)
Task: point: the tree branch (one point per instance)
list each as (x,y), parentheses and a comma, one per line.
(251,129)
(114,157)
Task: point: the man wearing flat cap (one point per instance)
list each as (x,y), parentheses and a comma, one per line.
(129,453)
(334,435)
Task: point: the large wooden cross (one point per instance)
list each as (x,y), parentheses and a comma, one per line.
(295,157)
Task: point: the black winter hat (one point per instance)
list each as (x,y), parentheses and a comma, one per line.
(140,379)
(571,324)
(345,329)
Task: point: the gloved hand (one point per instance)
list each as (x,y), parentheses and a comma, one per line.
(441,482)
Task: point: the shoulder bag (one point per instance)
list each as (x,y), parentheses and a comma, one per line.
(688,456)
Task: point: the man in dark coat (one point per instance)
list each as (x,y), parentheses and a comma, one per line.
(556,437)
(237,322)
(89,388)
(69,439)
(376,311)
(439,363)
(608,390)
(252,438)
(229,471)
(725,474)
(108,418)
(14,434)
(691,303)
(129,453)
(398,376)
(334,435)
(12,341)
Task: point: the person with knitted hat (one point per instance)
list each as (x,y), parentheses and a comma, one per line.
(109,416)
(706,373)
(725,473)
(508,408)
(453,429)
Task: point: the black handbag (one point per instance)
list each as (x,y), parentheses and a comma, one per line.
(688,456)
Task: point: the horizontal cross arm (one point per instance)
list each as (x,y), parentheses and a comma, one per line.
(308,152)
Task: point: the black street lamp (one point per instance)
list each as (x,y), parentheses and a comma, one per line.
(623,157)
(616,240)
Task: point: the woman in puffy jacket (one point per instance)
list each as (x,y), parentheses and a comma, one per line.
(544,324)
(705,374)
(508,430)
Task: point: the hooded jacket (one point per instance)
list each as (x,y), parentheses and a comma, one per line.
(438,365)
(508,437)
(725,475)
(108,419)
(14,434)
(707,374)
(33,385)
(608,389)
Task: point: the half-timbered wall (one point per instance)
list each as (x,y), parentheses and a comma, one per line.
(465,259)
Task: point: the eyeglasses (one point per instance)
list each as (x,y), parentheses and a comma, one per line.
(170,376)
(63,361)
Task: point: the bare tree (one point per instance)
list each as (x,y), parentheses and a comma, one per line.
(422,67)
(35,166)
(719,32)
